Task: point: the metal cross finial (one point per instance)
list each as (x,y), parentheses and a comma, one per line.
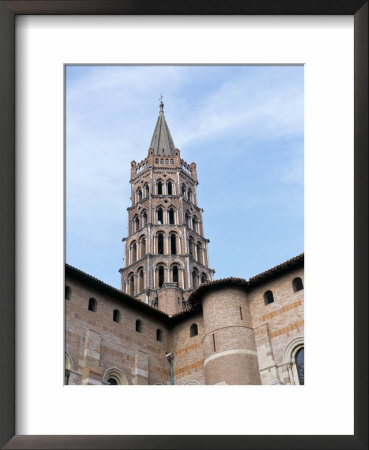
(161,97)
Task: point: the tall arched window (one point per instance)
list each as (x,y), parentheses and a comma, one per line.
(137,223)
(147,190)
(141,280)
(171,216)
(268,297)
(198,246)
(299,358)
(144,219)
(92,305)
(191,247)
(203,278)
(160,188)
(116,315)
(161,276)
(194,330)
(68,293)
(160,244)
(143,247)
(173,249)
(138,326)
(139,194)
(160,216)
(195,279)
(134,252)
(297,284)
(131,285)
(189,195)
(183,189)
(187,219)
(170,188)
(159,336)
(175,274)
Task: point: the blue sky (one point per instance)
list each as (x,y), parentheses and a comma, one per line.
(242,125)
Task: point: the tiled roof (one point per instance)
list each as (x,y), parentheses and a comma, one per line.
(195,296)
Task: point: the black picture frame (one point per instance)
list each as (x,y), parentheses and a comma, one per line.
(8,11)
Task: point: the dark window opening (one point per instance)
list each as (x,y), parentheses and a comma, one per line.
(189,194)
(173,249)
(68,292)
(143,247)
(214,348)
(171,217)
(195,279)
(203,278)
(139,195)
(159,335)
(147,189)
(92,305)
(297,284)
(268,297)
(112,381)
(161,276)
(160,188)
(300,365)
(170,188)
(175,274)
(137,223)
(241,313)
(194,330)
(160,244)
(144,219)
(138,326)
(132,286)
(116,315)
(160,216)
(134,252)
(183,189)
(141,280)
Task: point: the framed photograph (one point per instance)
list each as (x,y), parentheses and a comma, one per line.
(56,56)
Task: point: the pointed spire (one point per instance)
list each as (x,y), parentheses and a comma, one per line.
(162,142)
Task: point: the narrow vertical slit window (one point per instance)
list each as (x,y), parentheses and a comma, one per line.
(214,343)
(161,276)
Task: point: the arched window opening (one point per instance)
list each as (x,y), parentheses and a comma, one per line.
(189,195)
(116,315)
(112,381)
(159,336)
(68,293)
(144,219)
(171,216)
(173,249)
(141,280)
(203,278)
(143,247)
(131,285)
(195,279)
(156,160)
(137,223)
(187,219)
(194,330)
(300,365)
(139,193)
(92,305)
(183,189)
(171,161)
(190,246)
(268,297)
(160,188)
(160,244)
(198,246)
(161,276)
(160,216)
(175,274)
(134,252)
(138,326)
(162,160)
(170,188)
(297,284)
(147,190)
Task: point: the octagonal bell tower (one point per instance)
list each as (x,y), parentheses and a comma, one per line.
(166,253)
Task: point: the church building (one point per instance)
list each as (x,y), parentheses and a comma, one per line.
(171,322)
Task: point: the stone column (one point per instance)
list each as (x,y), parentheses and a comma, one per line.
(91,373)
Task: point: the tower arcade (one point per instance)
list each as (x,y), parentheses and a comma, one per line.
(166,253)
